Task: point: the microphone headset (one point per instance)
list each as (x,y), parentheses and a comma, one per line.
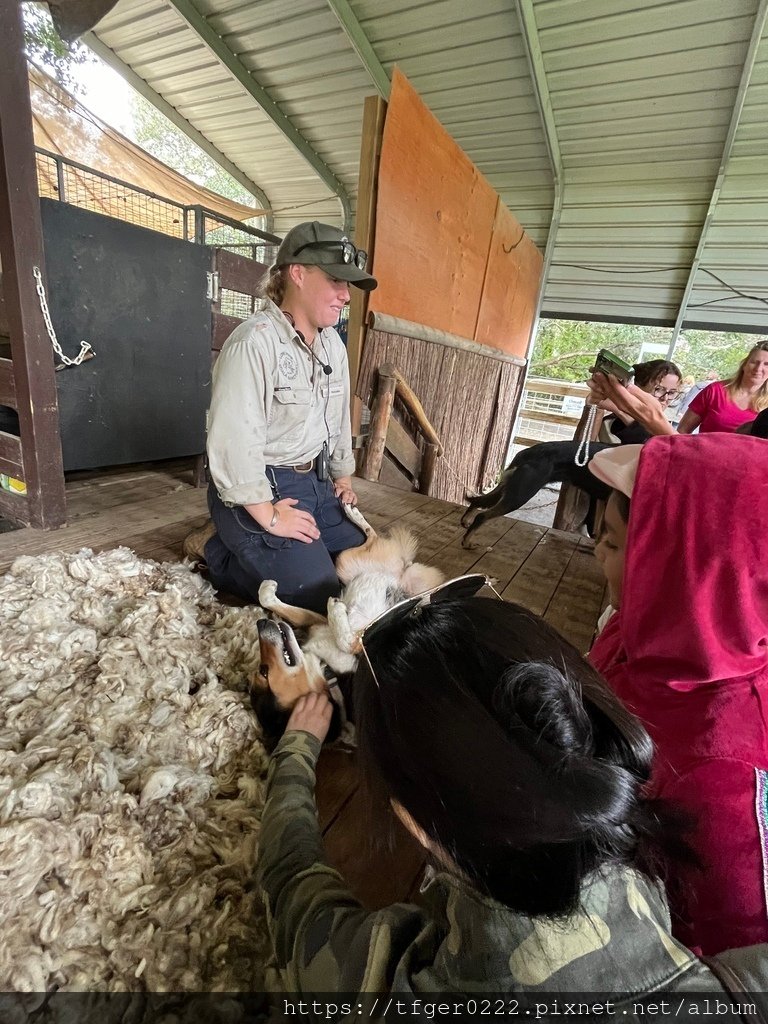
(327,368)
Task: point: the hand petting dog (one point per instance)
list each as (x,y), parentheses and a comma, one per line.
(312,713)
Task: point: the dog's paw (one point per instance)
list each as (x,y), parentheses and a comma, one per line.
(268,594)
(354,514)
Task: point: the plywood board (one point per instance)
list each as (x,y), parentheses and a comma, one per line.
(511,287)
(435,216)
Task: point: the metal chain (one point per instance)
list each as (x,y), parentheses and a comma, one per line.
(581,458)
(85,349)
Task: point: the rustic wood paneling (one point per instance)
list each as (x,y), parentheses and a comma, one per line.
(469,398)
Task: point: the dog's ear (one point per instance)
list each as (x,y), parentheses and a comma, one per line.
(272,718)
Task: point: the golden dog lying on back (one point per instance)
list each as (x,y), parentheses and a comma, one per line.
(376,575)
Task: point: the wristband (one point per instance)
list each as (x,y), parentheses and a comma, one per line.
(275,517)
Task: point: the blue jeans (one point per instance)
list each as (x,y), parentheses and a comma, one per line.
(241,554)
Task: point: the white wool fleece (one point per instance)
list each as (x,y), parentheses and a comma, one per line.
(131,780)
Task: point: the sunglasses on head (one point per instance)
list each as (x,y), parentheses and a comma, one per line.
(452,590)
(349,252)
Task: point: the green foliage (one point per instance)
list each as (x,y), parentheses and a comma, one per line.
(155,133)
(566,349)
(44,46)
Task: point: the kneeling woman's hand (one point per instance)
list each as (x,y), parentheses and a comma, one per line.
(312,714)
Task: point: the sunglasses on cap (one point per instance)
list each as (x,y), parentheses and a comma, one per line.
(349,252)
(452,590)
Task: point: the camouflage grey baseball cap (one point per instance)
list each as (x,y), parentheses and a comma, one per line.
(313,244)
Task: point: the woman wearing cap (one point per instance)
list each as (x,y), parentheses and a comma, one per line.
(687,651)
(279,441)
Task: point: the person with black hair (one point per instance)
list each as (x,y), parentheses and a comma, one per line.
(657,377)
(521,775)
(549,462)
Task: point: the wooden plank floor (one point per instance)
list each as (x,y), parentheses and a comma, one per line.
(150,509)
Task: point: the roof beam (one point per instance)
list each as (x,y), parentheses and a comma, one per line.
(532,44)
(144,89)
(738,106)
(353,30)
(240,72)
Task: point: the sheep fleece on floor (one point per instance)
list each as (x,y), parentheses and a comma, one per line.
(131,780)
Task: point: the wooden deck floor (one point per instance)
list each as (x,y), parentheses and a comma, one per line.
(151,508)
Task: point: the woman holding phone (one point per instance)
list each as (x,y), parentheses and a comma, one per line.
(724,406)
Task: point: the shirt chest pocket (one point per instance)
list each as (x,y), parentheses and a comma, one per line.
(290,408)
(333,394)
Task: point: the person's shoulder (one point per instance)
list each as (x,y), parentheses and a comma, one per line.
(332,339)
(709,392)
(257,330)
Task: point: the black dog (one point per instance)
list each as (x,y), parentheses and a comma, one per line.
(531,469)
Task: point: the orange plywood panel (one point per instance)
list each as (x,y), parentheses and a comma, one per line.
(511,287)
(434,220)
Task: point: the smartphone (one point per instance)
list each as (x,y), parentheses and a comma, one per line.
(607,362)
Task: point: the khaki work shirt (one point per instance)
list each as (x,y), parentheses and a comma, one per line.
(272,405)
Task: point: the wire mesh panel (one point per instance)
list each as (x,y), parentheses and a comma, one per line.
(58,178)
(240,240)
(47,176)
(237,304)
(92,191)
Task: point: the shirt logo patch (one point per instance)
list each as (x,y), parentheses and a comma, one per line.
(288,367)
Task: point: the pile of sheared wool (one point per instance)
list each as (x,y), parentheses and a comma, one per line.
(131,780)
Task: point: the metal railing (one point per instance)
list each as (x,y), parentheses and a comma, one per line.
(550,410)
(60,178)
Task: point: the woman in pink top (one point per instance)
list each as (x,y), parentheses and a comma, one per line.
(727,405)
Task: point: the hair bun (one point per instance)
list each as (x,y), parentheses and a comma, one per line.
(545,701)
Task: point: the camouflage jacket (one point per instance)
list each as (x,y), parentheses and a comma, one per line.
(460,940)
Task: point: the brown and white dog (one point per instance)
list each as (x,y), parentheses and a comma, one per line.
(301,651)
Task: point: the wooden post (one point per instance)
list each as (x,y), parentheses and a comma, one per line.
(382,410)
(416,409)
(21,249)
(374,113)
(573,502)
(429,458)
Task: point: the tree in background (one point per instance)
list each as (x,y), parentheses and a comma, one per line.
(155,133)
(44,46)
(151,129)
(566,349)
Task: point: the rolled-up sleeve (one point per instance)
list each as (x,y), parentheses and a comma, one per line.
(238,417)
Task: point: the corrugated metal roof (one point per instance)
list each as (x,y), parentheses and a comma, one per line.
(642,93)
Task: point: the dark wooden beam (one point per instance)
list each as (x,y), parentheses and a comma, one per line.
(21,249)
(14,507)
(10,455)
(7,385)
